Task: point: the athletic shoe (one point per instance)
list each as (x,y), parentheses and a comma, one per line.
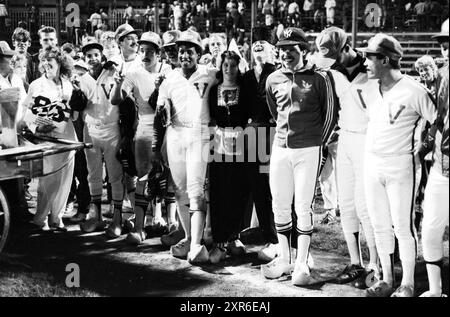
(329,218)
(181,249)
(369,278)
(217,254)
(301,275)
(79,217)
(114,230)
(198,254)
(350,273)
(236,247)
(92,224)
(268,252)
(430,294)
(69,212)
(276,268)
(135,238)
(380,289)
(172,238)
(404,291)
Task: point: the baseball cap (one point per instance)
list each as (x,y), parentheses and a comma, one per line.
(152,38)
(330,43)
(385,45)
(293,36)
(444,32)
(124,30)
(191,37)
(170,37)
(90,44)
(5,50)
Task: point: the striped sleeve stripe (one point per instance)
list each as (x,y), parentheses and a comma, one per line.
(330,107)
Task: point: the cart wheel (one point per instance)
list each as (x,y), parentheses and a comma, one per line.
(4,220)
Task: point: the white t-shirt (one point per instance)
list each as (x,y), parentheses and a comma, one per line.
(45,88)
(293,7)
(99,109)
(141,84)
(188,97)
(394,117)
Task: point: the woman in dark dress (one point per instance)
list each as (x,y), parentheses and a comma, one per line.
(228,184)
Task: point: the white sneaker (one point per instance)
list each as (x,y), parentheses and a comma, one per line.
(430,294)
(217,254)
(276,268)
(69,212)
(236,247)
(198,254)
(301,275)
(181,249)
(268,252)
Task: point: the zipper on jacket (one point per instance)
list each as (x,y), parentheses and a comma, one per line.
(289,111)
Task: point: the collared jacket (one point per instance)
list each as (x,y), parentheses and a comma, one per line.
(304,105)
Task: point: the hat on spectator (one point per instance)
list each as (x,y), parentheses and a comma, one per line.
(5,50)
(124,30)
(330,43)
(152,38)
(91,43)
(444,32)
(190,37)
(170,37)
(385,45)
(264,33)
(293,36)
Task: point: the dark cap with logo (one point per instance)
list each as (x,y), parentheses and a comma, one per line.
(293,36)
(385,45)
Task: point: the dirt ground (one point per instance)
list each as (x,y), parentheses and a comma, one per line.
(113,268)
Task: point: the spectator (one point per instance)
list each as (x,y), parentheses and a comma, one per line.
(227,172)
(282,10)
(177,15)
(21,41)
(420,11)
(308,9)
(3,15)
(293,13)
(95,20)
(128,14)
(104,16)
(53,87)
(241,7)
(329,6)
(267,7)
(217,45)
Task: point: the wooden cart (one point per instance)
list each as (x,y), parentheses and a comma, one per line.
(24,155)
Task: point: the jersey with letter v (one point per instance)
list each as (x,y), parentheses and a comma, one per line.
(394,116)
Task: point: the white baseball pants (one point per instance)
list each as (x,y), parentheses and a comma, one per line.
(390,193)
(435,215)
(187,153)
(105,140)
(350,183)
(293,175)
(53,190)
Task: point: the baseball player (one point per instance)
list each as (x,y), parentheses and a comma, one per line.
(129,60)
(302,101)
(169,48)
(335,50)
(436,203)
(184,93)
(395,103)
(140,84)
(260,119)
(102,130)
